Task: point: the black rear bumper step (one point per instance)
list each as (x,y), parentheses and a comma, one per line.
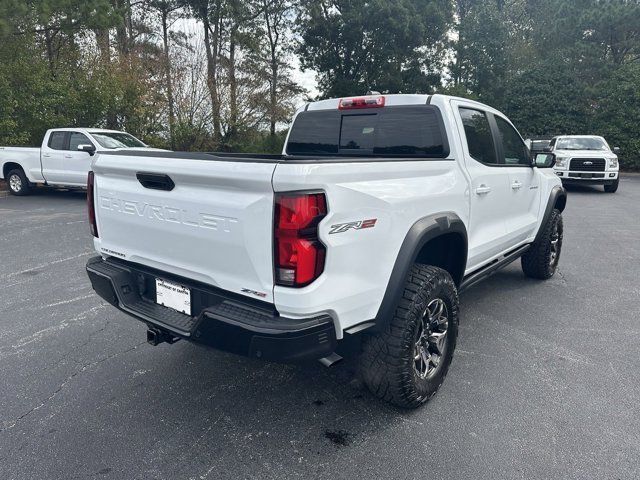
(223,320)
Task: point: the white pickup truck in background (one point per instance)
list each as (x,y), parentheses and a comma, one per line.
(64,158)
(585,159)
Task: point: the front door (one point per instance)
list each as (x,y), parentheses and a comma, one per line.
(524,183)
(77,163)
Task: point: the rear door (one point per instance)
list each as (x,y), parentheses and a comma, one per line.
(524,184)
(201,217)
(76,163)
(489,185)
(52,157)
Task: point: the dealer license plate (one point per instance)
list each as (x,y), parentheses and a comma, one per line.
(173,296)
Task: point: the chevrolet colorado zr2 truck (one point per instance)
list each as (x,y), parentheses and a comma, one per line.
(585,159)
(63,160)
(378,212)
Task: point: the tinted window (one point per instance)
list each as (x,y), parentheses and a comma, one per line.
(514,149)
(478,133)
(314,133)
(78,139)
(539,145)
(410,133)
(405,131)
(357,132)
(56,140)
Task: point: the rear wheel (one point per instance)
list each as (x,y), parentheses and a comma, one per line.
(407,361)
(612,187)
(541,260)
(18,182)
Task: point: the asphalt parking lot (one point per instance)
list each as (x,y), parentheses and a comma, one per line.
(545,382)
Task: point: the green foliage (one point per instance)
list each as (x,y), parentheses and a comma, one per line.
(360,45)
(616,113)
(553,66)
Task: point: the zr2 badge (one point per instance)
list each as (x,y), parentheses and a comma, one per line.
(358,225)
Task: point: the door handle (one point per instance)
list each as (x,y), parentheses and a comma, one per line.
(68,156)
(516,185)
(483,189)
(46,155)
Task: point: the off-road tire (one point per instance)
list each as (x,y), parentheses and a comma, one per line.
(21,187)
(613,187)
(388,357)
(539,262)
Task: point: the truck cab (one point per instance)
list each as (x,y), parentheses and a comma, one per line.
(64,158)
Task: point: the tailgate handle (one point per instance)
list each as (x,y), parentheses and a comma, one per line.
(155,181)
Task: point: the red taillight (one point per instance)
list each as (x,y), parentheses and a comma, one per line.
(91,206)
(298,252)
(371,101)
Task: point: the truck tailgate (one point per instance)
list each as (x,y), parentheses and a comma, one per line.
(214,225)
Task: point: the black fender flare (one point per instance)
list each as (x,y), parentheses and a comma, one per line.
(421,232)
(558,196)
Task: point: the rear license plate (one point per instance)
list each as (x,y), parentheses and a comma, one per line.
(587,175)
(174,296)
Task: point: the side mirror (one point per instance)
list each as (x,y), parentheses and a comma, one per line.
(85,147)
(616,149)
(544,160)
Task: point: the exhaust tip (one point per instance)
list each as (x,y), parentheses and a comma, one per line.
(330,360)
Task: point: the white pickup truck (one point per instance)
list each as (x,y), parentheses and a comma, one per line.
(586,160)
(64,158)
(379,211)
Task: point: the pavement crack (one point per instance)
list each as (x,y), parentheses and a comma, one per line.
(84,367)
(561,275)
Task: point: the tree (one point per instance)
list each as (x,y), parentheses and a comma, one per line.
(269,62)
(166,10)
(360,45)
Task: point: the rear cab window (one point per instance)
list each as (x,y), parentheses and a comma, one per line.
(396,131)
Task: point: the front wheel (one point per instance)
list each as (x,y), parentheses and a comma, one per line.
(541,260)
(612,187)
(18,182)
(407,361)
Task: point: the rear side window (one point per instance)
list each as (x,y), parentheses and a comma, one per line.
(402,131)
(57,140)
(479,137)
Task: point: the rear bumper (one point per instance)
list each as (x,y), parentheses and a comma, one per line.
(221,319)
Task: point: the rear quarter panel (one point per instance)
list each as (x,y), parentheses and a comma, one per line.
(359,262)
